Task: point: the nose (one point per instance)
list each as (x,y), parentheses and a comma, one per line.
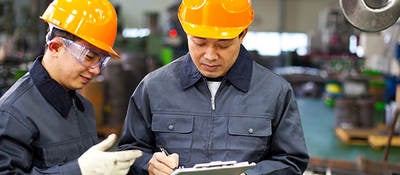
(211,53)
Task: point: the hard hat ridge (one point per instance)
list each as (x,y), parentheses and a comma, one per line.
(220,19)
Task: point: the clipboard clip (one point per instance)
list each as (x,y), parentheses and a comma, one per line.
(215,164)
(215,168)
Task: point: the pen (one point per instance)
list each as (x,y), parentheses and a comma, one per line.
(164,150)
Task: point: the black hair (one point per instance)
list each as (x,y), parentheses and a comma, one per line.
(56,32)
(241,33)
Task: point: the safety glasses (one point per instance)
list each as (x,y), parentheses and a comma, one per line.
(86,57)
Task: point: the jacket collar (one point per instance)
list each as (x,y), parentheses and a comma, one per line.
(239,74)
(53,92)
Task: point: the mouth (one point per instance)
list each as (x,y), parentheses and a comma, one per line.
(85,79)
(210,68)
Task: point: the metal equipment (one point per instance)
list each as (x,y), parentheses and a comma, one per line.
(371,15)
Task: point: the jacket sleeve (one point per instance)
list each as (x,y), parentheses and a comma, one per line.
(16,153)
(137,133)
(288,152)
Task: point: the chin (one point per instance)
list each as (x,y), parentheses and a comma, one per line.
(78,87)
(213,75)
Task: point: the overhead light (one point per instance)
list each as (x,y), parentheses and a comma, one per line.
(135,32)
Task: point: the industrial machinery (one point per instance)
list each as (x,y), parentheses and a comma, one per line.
(371,15)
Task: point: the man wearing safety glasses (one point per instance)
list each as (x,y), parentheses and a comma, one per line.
(46,127)
(215,103)
(87,57)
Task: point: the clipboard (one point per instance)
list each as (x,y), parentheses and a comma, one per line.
(216,168)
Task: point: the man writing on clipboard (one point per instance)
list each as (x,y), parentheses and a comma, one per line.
(215,103)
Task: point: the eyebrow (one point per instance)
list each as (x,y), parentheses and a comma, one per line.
(225,40)
(218,40)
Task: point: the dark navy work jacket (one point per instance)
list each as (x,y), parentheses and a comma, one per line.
(43,128)
(255,118)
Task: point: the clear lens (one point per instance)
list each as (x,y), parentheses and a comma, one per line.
(85,56)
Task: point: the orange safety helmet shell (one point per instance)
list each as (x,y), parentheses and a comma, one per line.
(218,19)
(94,21)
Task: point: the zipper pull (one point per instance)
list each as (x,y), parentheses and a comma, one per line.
(213,103)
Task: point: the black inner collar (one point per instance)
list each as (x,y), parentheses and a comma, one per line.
(215,79)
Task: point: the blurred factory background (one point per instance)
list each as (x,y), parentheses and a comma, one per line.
(345,79)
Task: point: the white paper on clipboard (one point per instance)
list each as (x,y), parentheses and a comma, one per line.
(215,168)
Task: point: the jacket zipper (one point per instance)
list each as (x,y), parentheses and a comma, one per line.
(213,103)
(213,96)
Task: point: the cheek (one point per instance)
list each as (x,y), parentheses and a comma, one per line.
(194,50)
(196,60)
(230,57)
(71,70)
(195,54)
(73,65)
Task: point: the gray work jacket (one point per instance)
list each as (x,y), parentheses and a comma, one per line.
(38,137)
(254,118)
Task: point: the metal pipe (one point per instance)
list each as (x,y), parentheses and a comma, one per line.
(392,129)
(282,16)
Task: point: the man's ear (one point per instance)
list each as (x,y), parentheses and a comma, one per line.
(243,34)
(54,46)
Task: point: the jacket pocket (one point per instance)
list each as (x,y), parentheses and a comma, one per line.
(174,132)
(249,126)
(61,152)
(180,124)
(248,137)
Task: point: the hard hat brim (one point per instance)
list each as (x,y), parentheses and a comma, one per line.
(211,32)
(103,47)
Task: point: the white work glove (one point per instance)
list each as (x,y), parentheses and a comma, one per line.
(97,161)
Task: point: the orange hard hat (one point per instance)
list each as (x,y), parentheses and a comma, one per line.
(218,19)
(94,21)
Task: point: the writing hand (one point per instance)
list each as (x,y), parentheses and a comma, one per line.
(161,164)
